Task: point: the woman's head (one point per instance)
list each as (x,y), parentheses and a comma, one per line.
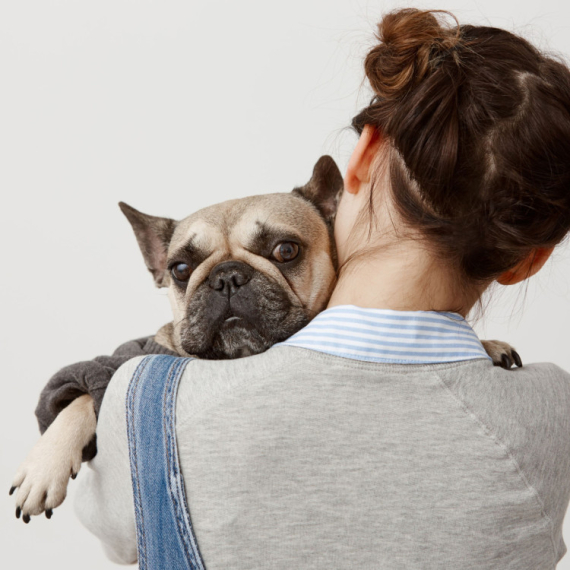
(470,127)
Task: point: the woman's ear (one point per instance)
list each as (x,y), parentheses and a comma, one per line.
(528,267)
(358,170)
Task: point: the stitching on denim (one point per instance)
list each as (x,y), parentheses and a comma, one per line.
(175,481)
(179,480)
(131,431)
(165,435)
(505,449)
(167,447)
(172,467)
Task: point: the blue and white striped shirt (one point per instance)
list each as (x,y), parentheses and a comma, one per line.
(384,335)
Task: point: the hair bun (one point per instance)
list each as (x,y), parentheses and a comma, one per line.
(410,40)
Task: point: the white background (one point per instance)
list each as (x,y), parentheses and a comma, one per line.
(171,106)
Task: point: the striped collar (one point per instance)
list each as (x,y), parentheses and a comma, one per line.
(383,335)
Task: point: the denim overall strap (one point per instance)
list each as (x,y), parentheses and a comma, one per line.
(165,536)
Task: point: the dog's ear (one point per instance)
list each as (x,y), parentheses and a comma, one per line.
(153,235)
(324,188)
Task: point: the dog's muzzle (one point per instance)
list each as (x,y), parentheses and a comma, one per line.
(238,311)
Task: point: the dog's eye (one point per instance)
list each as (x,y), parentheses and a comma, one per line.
(285,251)
(181,272)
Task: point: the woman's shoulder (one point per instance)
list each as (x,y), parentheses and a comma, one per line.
(488,381)
(546,385)
(537,392)
(544,381)
(547,369)
(520,407)
(545,377)
(550,371)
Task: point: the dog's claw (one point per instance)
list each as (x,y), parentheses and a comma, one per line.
(506,362)
(18,512)
(517,358)
(12,489)
(26,518)
(73,475)
(49,513)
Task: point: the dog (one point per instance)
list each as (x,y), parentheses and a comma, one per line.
(241,276)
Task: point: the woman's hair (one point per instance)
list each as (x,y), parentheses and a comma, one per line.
(478,122)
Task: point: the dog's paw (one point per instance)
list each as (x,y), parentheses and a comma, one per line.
(41,480)
(502,354)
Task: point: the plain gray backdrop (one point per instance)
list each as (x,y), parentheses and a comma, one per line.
(172,106)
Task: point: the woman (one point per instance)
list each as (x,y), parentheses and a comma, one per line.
(362,442)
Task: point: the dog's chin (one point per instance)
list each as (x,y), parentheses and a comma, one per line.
(235,338)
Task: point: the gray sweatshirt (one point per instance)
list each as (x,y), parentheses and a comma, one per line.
(299,459)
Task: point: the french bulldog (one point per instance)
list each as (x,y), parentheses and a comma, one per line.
(241,276)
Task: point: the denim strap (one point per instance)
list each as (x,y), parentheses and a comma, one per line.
(165,537)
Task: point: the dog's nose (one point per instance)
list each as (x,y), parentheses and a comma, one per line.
(229,276)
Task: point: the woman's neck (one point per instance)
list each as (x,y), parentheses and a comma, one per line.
(403,278)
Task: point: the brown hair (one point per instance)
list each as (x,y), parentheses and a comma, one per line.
(479,127)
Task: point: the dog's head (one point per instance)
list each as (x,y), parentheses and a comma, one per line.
(245,274)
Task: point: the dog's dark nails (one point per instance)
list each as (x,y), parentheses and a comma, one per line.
(73,475)
(18,512)
(517,359)
(49,513)
(12,489)
(506,362)
(26,518)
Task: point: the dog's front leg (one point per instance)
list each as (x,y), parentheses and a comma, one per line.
(43,476)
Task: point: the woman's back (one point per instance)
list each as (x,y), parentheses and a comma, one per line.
(342,464)
(299,459)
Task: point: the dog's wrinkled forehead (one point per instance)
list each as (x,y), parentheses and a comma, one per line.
(247,222)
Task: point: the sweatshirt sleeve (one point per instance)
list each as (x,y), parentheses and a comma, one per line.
(88,377)
(104,501)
